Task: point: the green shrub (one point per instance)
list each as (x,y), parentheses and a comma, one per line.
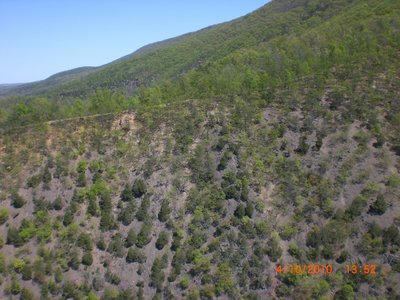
(112,278)
(379,206)
(85,241)
(139,188)
(116,245)
(26,272)
(356,207)
(57,203)
(144,236)
(13,237)
(26,294)
(391,236)
(74,260)
(134,255)
(126,194)
(18,265)
(294,250)
(130,238)
(107,222)
(165,211)
(17,201)
(162,240)
(274,251)
(46,176)
(184,283)
(303,146)
(157,274)
(4,214)
(346,293)
(33,181)
(142,213)
(393,181)
(101,244)
(87,258)
(240,211)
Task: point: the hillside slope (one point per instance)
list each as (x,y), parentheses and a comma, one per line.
(281,149)
(168,59)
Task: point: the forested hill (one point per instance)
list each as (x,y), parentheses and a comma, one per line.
(167,60)
(211,165)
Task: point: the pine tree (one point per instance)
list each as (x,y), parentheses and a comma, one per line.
(126,194)
(87,258)
(142,213)
(139,188)
(165,211)
(92,207)
(162,240)
(131,238)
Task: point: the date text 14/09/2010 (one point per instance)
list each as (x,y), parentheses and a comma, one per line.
(315,269)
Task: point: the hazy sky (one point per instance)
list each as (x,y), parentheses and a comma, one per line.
(43,37)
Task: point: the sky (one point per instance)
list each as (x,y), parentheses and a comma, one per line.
(43,37)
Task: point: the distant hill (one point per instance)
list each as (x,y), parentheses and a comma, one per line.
(167,59)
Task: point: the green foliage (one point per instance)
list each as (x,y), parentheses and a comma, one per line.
(295,250)
(356,207)
(184,283)
(13,237)
(240,211)
(26,272)
(202,165)
(18,265)
(143,211)
(68,217)
(92,296)
(46,176)
(303,146)
(139,188)
(130,238)
(126,194)
(165,211)
(273,250)
(26,294)
(4,214)
(127,213)
(144,236)
(391,236)
(101,244)
(74,260)
(135,255)
(17,201)
(224,281)
(85,241)
(112,278)
(116,246)
(157,274)
(92,208)
(87,258)
(379,206)
(162,240)
(370,246)
(57,203)
(346,293)
(3,267)
(33,181)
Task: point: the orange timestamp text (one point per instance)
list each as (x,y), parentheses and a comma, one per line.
(364,269)
(307,269)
